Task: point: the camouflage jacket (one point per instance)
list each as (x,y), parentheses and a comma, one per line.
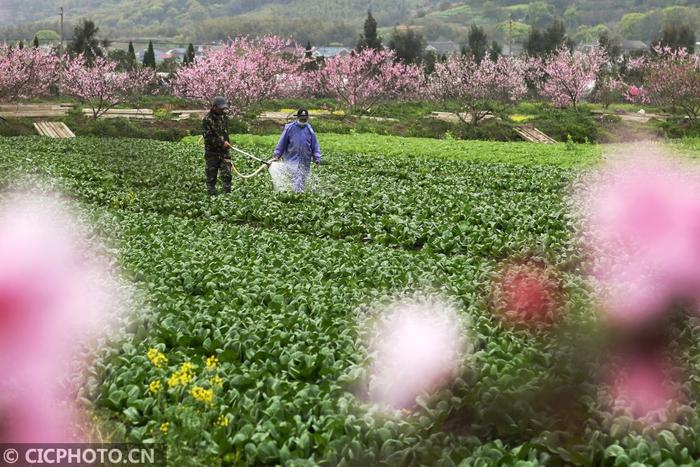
(215,127)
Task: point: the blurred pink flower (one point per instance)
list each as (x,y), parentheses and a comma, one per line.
(643,224)
(643,387)
(55,294)
(418,345)
(526,294)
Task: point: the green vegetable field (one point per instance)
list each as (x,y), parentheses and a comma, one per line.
(246,347)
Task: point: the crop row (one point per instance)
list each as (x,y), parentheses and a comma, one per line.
(438,205)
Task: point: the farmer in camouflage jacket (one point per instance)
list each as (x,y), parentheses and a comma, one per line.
(217,145)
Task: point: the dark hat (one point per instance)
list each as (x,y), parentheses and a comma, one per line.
(303,113)
(220,102)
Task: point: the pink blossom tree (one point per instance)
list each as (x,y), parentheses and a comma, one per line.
(478,87)
(567,77)
(100,86)
(671,80)
(361,80)
(26,73)
(245,71)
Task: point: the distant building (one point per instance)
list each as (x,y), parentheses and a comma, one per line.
(329,52)
(633,46)
(586,47)
(442,47)
(178,53)
(49,48)
(160,55)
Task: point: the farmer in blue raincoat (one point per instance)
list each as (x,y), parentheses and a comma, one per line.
(299,146)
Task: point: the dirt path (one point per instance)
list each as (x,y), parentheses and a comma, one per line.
(634,128)
(634,137)
(635,151)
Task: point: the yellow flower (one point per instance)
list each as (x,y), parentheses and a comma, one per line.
(157,358)
(216,381)
(164,427)
(173,380)
(186,373)
(212,362)
(183,376)
(517,118)
(155,386)
(201,394)
(223,421)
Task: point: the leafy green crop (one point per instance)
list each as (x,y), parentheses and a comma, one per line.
(441,150)
(274,285)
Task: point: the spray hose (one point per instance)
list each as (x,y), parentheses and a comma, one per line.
(257,172)
(263,164)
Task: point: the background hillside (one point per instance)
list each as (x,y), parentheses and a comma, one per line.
(339,21)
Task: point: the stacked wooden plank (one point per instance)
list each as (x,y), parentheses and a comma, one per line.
(34,110)
(284,116)
(141,114)
(186,114)
(533,135)
(54,129)
(279,117)
(380,119)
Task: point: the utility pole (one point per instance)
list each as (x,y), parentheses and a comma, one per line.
(60,57)
(60,49)
(510,36)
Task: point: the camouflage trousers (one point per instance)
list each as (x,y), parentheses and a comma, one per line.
(218,164)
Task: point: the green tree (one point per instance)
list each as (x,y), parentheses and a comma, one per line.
(47,36)
(149,58)
(495,51)
(678,37)
(492,11)
(370,39)
(642,26)
(538,14)
(20,46)
(555,37)
(189,55)
(121,57)
(611,45)
(408,44)
(572,18)
(534,45)
(478,43)
(520,32)
(310,64)
(132,56)
(169,65)
(85,41)
(429,60)
(540,43)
